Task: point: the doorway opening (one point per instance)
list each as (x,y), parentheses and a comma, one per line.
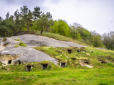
(63,65)
(19,62)
(44,66)
(28,68)
(9,62)
(69,51)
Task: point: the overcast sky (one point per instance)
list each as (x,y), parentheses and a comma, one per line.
(95,15)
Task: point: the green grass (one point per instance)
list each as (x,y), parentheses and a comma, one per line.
(72,74)
(60,77)
(62,55)
(36,66)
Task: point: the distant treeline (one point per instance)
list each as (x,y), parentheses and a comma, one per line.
(27,20)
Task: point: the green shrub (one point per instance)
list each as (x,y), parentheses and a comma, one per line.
(23,44)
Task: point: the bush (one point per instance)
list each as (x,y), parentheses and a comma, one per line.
(23,44)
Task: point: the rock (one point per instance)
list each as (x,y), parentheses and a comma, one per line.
(89,66)
(82,64)
(10,54)
(24,54)
(10,42)
(36,40)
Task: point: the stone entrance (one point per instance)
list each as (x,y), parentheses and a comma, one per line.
(9,61)
(63,64)
(44,66)
(28,68)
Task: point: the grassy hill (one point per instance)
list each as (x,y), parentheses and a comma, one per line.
(75,73)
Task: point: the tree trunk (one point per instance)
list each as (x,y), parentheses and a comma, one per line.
(41,31)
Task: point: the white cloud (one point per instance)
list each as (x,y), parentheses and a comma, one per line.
(4,8)
(93,15)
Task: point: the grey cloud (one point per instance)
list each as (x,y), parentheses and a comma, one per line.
(29,3)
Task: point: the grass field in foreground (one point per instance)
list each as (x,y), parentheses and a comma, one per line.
(61,77)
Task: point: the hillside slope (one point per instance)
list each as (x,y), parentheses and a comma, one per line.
(84,56)
(84,66)
(13,53)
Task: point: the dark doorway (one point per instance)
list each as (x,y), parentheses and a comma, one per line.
(19,62)
(69,51)
(86,62)
(78,50)
(73,58)
(63,65)
(44,66)
(9,62)
(28,68)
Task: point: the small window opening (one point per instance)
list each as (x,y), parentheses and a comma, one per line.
(28,68)
(69,51)
(86,62)
(73,58)
(44,66)
(63,64)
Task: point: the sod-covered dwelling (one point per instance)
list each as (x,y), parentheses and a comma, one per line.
(63,64)
(71,50)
